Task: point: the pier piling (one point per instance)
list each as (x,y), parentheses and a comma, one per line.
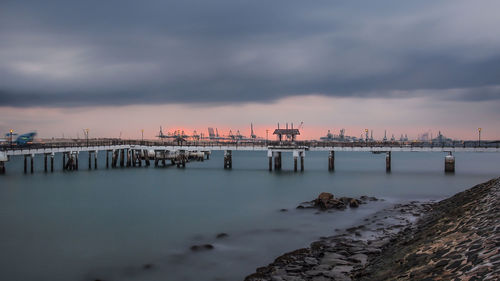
(25,164)
(64,161)
(95,159)
(90,160)
(122,157)
(31,161)
(295,159)
(52,162)
(331,161)
(45,162)
(2,167)
(228,159)
(107,160)
(449,163)
(277,161)
(302,154)
(388,161)
(76,160)
(270,157)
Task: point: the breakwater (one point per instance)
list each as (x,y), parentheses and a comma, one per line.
(456,237)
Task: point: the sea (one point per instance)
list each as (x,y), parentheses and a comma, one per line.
(140,223)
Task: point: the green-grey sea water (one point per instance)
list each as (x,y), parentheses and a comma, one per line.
(107,224)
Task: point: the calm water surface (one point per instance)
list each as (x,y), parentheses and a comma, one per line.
(108,223)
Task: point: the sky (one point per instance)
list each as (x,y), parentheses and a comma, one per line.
(119,67)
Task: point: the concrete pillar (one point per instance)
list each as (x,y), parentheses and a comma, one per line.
(45,162)
(52,162)
(31,160)
(331,161)
(270,157)
(2,167)
(302,154)
(25,164)
(95,159)
(449,163)
(388,161)
(228,159)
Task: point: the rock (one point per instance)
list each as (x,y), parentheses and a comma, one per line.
(359,258)
(310,261)
(342,268)
(324,201)
(354,203)
(307,205)
(147,266)
(196,248)
(221,235)
(325,196)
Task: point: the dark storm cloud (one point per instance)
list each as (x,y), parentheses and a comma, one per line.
(75,53)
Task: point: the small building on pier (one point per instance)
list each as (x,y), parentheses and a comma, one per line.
(286,134)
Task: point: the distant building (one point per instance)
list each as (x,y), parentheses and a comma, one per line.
(441,139)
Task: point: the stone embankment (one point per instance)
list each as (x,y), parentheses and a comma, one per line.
(455,239)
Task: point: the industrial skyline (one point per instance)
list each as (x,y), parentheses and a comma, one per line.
(127,66)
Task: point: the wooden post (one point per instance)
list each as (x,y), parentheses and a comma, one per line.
(107,159)
(95,159)
(31,160)
(388,161)
(90,160)
(52,162)
(45,162)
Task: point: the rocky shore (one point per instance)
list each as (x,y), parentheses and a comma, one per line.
(455,239)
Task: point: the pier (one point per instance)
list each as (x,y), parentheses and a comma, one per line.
(134,153)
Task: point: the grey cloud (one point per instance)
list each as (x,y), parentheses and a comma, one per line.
(75,53)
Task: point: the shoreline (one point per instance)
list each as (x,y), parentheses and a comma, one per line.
(385,246)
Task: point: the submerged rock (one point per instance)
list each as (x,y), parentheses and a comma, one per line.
(222,235)
(196,248)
